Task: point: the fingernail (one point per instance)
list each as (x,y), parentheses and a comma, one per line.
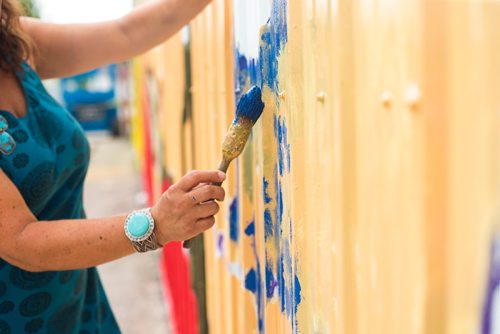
(222,175)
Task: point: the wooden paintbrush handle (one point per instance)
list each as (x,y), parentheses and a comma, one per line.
(223,166)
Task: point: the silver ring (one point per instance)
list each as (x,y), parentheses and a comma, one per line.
(194,198)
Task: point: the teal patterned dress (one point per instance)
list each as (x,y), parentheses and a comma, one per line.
(48,164)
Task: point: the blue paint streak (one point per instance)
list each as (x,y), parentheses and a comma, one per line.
(268,225)
(268,219)
(267,198)
(281,133)
(279,206)
(290,290)
(233,220)
(250,230)
(251,281)
(296,293)
(282,274)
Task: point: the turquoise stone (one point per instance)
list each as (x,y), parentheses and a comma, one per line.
(138,225)
(7,143)
(3,124)
(4,138)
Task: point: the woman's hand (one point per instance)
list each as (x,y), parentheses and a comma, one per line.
(188,207)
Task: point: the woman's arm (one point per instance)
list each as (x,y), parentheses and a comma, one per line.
(80,243)
(66,49)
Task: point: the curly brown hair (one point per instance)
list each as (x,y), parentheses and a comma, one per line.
(15,45)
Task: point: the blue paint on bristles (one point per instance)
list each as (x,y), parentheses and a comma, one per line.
(250,105)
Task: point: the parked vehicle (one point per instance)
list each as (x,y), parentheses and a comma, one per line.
(91,98)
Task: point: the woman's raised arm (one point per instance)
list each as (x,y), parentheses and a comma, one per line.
(67,49)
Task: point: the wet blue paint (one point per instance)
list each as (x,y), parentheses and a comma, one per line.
(250,230)
(250,105)
(268,219)
(253,279)
(246,69)
(268,225)
(492,286)
(273,41)
(279,22)
(267,198)
(281,278)
(279,205)
(281,133)
(233,220)
(289,290)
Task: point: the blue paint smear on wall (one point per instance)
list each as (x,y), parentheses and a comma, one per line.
(281,278)
(289,289)
(250,230)
(267,198)
(233,220)
(268,225)
(268,220)
(253,279)
(492,287)
(273,39)
(281,133)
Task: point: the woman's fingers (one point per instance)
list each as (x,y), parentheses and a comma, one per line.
(205,210)
(194,178)
(206,193)
(205,223)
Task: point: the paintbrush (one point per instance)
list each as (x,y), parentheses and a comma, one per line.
(248,111)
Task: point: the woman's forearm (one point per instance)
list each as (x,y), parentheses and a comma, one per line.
(69,244)
(186,209)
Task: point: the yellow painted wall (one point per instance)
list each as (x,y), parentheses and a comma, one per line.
(391,110)
(389,113)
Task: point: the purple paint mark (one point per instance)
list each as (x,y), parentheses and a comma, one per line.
(271,282)
(233,220)
(492,286)
(220,243)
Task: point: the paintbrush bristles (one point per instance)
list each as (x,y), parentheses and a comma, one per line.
(250,105)
(248,111)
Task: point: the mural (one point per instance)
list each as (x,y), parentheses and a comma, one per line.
(365,200)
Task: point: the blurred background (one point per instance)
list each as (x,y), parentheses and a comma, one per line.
(368,197)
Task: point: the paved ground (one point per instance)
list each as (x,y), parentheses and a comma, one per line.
(132,283)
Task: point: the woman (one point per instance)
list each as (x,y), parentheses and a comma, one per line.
(48,249)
